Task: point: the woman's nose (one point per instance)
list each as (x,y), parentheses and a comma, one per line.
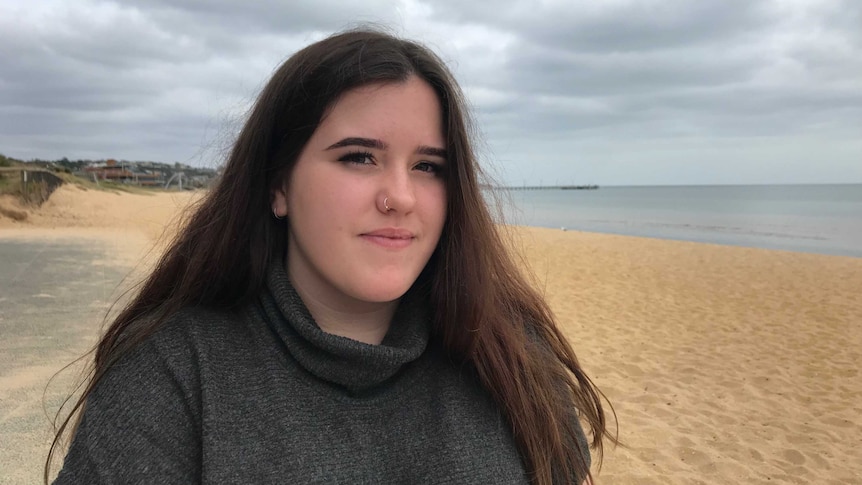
(397,193)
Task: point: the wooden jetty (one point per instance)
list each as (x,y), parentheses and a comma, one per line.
(552,187)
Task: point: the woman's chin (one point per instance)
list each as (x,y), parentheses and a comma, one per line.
(383,293)
(383,296)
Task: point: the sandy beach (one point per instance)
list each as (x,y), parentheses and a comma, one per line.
(724,364)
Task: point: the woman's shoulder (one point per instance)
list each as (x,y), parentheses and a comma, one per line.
(185,339)
(199,324)
(207,325)
(176,359)
(141,420)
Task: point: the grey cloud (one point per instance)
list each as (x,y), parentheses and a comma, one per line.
(270,15)
(613,26)
(694,69)
(558,71)
(227,26)
(170,80)
(648,26)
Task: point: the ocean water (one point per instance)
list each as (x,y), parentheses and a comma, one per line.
(824,219)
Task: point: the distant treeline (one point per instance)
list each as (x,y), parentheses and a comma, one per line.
(6,161)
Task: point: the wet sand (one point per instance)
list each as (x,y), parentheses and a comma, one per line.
(724,364)
(54,295)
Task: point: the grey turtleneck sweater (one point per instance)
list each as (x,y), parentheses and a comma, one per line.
(265,396)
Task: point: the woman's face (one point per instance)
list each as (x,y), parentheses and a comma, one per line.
(366,201)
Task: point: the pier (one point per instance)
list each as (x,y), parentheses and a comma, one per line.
(552,187)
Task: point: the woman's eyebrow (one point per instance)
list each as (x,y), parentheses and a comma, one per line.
(380,145)
(432,151)
(358,141)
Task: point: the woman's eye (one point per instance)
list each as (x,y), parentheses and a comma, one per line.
(429,167)
(361,158)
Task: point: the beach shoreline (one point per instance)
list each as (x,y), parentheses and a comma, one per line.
(724,364)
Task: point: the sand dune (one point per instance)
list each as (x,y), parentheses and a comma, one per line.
(70,206)
(725,365)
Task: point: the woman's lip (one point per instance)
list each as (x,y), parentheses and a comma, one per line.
(388,242)
(390,237)
(391,233)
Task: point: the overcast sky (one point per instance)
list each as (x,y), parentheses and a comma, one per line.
(611,92)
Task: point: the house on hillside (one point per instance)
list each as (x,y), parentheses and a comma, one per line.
(126,173)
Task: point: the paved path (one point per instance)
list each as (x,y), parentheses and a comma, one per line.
(53,297)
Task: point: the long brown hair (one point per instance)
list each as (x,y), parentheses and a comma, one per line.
(487,314)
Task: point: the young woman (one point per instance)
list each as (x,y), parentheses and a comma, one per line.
(340,308)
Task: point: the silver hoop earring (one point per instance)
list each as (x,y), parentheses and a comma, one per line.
(274,214)
(386,204)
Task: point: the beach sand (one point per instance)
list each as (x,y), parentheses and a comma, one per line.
(724,364)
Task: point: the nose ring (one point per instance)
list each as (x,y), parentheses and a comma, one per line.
(386,204)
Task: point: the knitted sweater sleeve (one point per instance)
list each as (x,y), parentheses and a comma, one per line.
(140,424)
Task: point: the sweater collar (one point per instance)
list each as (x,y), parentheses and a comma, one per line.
(354,365)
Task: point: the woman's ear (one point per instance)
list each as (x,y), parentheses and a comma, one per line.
(278,200)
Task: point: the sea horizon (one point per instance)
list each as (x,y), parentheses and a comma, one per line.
(557,186)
